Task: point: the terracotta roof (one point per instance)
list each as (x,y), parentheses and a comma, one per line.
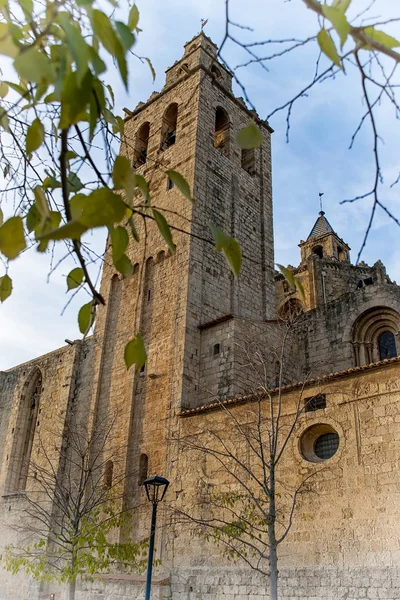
(286,388)
(321,226)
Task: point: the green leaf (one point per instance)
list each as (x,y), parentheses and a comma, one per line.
(341,5)
(5,287)
(135,353)
(338,20)
(7,44)
(33,65)
(27,7)
(4,119)
(98,64)
(288,275)
(103,29)
(18,88)
(142,184)
(133,18)
(122,65)
(152,70)
(74,183)
(134,232)
(230,248)
(125,35)
(12,238)
(47,224)
(73,230)
(328,47)
(41,201)
(51,182)
(123,176)
(34,136)
(249,137)
(300,289)
(180,183)
(76,44)
(101,208)
(86,317)
(75,98)
(124,266)
(75,278)
(1,217)
(381,37)
(119,241)
(33,218)
(3,89)
(220,237)
(164,229)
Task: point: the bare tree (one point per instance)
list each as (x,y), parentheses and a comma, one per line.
(70,525)
(350,39)
(250,512)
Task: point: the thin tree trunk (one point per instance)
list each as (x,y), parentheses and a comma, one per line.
(273,555)
(72,584)
(71,590)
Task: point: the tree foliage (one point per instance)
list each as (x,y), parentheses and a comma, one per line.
(61,138)
(250,504)
(71,525)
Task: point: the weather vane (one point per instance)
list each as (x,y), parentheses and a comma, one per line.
(203,23)
(320,200)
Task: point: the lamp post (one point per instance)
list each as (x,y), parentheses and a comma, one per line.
(155,490)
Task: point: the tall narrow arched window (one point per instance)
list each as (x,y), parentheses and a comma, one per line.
(141,145)
(24,433)
(387,345)
(108,474)
(168,130)
(222,131)
(249,160)
(143,468)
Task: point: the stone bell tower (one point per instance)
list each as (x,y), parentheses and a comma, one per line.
(187,305)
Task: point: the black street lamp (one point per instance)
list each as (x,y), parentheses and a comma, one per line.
(155,490)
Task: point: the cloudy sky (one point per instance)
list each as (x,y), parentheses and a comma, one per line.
(316,159)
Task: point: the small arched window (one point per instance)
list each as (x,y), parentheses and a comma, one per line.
(108,474)
(141,145)
(249,160)
(216,72)
(143,468)
(160,256)
(222,131)
(387,345)
(168,130)
(318,250)
(374,335)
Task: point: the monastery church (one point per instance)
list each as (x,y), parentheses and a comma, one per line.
(195,318)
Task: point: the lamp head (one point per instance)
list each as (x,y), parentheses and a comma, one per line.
(156,488)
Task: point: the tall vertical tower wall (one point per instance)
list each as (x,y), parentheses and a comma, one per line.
(187,303)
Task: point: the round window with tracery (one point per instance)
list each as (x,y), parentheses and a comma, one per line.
(319,442)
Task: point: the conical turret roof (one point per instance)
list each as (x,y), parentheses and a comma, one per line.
(321,226)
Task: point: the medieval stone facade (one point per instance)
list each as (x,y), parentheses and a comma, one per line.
(196,320)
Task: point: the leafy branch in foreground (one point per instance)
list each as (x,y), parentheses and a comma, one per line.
(60,145)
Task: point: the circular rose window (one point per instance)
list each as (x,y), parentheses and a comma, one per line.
(319,442)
